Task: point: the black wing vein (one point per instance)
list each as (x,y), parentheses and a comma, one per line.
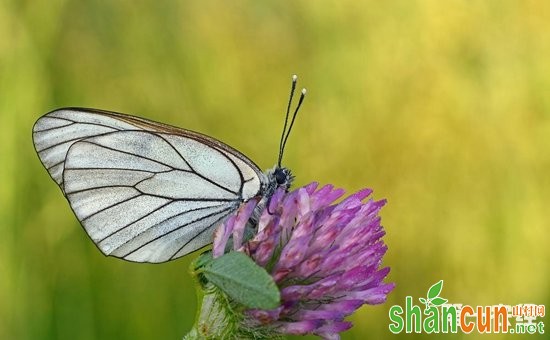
(158,223)
(225,211)
(219,220)
(109,207)
(135,221)
(132,154)
(197,173)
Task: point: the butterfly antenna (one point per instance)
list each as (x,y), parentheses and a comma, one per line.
(302,96)
(292,89)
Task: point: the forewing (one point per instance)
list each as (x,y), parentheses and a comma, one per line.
(144,191)
(55,132)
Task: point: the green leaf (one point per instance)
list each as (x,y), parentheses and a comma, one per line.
(243,280)
(203,260)
(435,290)
(422,300)
(439,301)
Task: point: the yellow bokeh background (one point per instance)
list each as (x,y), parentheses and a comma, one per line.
(442,107)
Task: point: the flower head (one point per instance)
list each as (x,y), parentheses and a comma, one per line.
(323,256)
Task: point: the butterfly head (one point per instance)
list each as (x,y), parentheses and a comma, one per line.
(280,177)
(277,177)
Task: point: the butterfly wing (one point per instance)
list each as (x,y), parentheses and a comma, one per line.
(144,191)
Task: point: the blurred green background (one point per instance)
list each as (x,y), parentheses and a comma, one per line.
(442,107)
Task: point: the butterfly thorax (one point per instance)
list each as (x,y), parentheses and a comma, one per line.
(275,178)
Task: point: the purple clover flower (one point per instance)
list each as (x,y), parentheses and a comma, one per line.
(323,256)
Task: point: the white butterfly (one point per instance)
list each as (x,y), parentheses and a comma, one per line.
(146,191)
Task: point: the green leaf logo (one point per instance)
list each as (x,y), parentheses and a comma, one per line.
(434,290)
(438,301)
(432,298)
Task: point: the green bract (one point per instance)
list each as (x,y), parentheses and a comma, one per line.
(240,278)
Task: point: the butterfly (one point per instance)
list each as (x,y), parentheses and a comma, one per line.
(146,191)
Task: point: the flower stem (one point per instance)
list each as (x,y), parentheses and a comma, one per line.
(214,319)
(221,318)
